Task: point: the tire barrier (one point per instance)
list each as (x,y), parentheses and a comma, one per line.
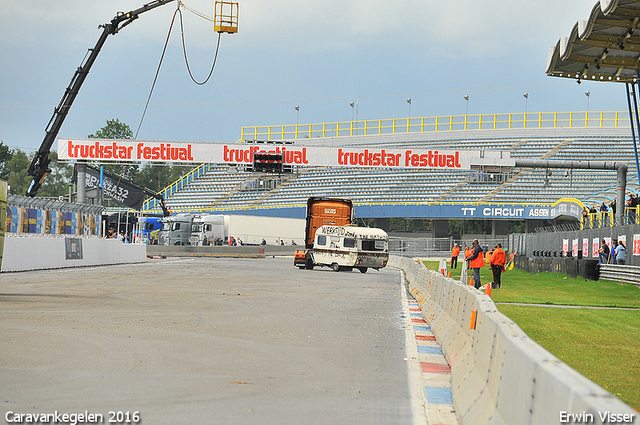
(587,269)
(499,375)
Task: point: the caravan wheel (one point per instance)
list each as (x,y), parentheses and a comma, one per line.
(335,267)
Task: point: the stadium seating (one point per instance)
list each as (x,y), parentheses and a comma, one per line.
(228,188)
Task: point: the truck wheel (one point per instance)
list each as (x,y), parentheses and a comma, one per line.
(335,267)
(363,269)
(302,267)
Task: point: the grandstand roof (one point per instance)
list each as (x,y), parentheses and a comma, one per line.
(605,47)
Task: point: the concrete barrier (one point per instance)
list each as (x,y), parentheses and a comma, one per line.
(38,253)
(244,251)
(499,375)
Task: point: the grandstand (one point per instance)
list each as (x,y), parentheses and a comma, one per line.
(224,188)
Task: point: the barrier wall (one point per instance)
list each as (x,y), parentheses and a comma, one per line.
(38,253)
(499,375)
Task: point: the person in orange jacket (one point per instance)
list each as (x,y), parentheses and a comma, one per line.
(476,262)
(498,260)
(454,256)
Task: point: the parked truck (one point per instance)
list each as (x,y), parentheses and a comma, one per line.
(209,230)
(176,230)
(321,211)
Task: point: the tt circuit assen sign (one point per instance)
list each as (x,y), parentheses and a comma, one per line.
(217,153)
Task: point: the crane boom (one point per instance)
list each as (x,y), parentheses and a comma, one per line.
(40,164)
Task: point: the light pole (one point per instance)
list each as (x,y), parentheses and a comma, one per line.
(526,102)
(409,102)
(297,108)
(353,105)
(588,94)
(466,109)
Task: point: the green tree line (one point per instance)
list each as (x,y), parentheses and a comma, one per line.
(14,164)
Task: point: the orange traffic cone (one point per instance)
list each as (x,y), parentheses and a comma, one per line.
(488,290)
(449,274)
(471,282)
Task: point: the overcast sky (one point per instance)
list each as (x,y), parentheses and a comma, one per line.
(319,55)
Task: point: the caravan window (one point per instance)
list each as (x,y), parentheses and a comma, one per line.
(322,240)
(372,245)
(349,243)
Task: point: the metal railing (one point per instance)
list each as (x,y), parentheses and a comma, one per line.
(531,120)
(619,273)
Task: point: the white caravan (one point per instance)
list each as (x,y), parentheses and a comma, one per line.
(349,247)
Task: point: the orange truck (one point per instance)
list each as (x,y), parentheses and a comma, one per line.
(322,211)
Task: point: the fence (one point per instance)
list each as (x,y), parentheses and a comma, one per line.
(438,124)
(437,247)
(579,243)
(47,217)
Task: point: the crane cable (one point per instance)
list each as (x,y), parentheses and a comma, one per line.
(155,79)
(184,49)
(184,46)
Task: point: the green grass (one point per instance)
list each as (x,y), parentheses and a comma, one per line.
(601,344)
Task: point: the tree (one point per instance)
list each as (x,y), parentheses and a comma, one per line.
(113,130)
(117,130)
(18,179)
(57,182)
(5,157)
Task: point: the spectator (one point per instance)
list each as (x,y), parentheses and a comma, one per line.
(585,218)
(264,242)
(603,214)
(454,256)
(621,255)
(632,204)
(476,262)
(293,242)
(612,258)
(498,260)
(467,252)
(603,253)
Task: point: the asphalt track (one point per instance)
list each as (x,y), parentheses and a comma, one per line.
(205,340)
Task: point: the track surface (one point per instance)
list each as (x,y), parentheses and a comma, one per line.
(221,341)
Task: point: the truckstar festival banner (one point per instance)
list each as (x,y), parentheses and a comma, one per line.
(198,152)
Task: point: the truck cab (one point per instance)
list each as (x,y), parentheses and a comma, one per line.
(176,230)
(208,230)
(322,211)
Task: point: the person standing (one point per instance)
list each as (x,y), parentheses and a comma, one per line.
(604,216)
(621,257)
(585,218)
(476,262)
(498,260)
(454,256)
